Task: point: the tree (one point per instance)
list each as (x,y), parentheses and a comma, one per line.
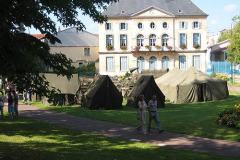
(23,57)
(234,48)
(224,35)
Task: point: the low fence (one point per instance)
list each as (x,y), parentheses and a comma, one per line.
(224,68)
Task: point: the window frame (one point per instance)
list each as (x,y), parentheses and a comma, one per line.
(180,39)
(108,26)
(199,39)
(125,26)
(152,40)
(121,67)
(166,25)
(140,23)
(193,61)
(154,64)
(152,25)
(123,39)
(140,40)
(198,25)
(87,49)
(165,42)
(111,69)
(185,64)
(108,40)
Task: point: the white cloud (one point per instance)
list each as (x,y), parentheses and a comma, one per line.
(230,8)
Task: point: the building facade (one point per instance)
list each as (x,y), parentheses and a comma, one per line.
(80,46)
(152,35)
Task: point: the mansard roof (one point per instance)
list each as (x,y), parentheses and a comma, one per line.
(128,8)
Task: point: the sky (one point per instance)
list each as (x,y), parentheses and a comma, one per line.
(220,14)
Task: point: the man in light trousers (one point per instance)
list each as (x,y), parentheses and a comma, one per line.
(153,114)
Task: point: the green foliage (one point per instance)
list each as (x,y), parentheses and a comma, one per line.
(122,78)
(230,117)
(87,70)
(234,48)
(225,35)
(23,57)
(220,76)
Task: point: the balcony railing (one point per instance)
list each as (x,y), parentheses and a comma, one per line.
(151,48)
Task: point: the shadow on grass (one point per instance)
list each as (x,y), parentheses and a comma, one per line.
(25,139)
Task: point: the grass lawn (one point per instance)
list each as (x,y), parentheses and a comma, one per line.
(197,119)
(26,139)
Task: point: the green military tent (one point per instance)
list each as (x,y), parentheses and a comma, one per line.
(191,86)
(146,86)
(103,94)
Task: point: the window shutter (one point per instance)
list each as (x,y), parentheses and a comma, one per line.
(126,26)
(186,27)
(180,25)
(200,25)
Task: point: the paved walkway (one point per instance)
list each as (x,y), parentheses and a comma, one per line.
(166,139)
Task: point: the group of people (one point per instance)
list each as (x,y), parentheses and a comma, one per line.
(12,99)
(148,110)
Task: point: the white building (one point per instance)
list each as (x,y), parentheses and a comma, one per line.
(152,35)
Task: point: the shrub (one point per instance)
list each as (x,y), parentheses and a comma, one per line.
(220,76)
(230,117)
(87,70)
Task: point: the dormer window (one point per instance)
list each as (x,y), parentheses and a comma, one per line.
(152,25)
(165,25)
(122,12)
(196,25)
(123,26)
(179,11)
(140,26)
(108,26)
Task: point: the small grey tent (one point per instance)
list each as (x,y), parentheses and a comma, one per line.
(103,94)
(191,86)
(146,86)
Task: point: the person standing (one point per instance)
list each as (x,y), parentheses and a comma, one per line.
(1,105)
(10,104)
(153,114)
(15,103)
(142,113)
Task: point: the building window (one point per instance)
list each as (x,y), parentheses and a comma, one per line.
(183,40)
(123,26)
(140,40)
(108,26)
(165,25)
(183,25)
(86,51)
(123,40)
(123,63)
(196,62)
(182,62)
(153,63)
(109,64)
(196,25)
(152,25)
(165,39)
(152,40)
(196,40)
(140,64)
(140,25)
(165,62)
(109,40)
